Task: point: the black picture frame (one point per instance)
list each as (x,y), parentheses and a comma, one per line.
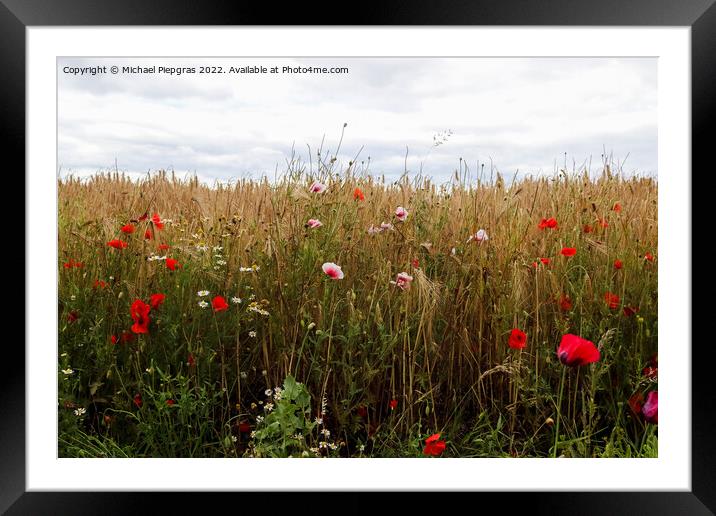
(700,15)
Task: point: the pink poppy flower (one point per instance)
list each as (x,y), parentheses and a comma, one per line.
(479,236)
(332,270)
(402,281)
(314,223)
(317,187)
(401,213)
(387,226)
(650,409)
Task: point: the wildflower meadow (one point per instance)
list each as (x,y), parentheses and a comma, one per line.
(339,314)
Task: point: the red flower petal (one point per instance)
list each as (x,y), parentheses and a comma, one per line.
(575,351)
(219,304)
(518,339)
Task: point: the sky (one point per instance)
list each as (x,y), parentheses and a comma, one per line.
(518,115)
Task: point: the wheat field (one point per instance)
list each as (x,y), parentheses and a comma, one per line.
(274,319)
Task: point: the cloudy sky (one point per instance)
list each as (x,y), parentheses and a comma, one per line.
(520,114)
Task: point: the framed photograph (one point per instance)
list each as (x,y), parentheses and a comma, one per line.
(444,251)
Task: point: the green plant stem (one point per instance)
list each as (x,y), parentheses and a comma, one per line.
(559,412)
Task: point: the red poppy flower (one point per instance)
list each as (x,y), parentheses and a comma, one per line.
(518,339)
(415,263)
(565,303)
(618,264)
(433,446)
(550,223)
(649,257)
(138,400)
(617,207)
(393,404)
(117,244)
(73,316)
(71,264)
(170,402)
(148,234)
(114,339)
(157,221)
(140,315)
(172,264)
(630,310)
(603,223)
(99,284)
(163,247)
(575,351)
(127,229)
(358,195)
(587,228)
(156,300)
(568,251)
(543,261)
(143,217)
(127,336)
(650,410)
(362,411)
(636,402)
(612,300)
(191,360)
(219,304)
(244,427)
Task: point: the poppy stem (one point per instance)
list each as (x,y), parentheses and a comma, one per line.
(559,412)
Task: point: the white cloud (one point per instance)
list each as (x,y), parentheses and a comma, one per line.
(521,113)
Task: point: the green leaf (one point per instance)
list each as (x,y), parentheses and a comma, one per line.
(290,388)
